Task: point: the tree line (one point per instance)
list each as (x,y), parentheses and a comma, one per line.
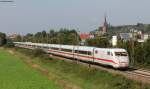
(139,53)
(63,36)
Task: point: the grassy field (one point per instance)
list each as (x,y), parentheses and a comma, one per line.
(81,76)
(15,74)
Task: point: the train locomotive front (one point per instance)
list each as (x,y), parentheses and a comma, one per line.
(121,58)
(115,57)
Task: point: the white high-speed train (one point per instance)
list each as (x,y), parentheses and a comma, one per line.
(115,57)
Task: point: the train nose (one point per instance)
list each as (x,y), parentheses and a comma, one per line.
(123,62)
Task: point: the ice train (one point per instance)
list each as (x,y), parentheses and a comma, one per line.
(115,57)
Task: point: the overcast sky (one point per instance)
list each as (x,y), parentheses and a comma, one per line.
(30,16)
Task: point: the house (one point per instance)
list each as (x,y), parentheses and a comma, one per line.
(144,37)
(125,36)
(84,37)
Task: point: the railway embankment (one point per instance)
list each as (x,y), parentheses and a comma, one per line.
(74,76)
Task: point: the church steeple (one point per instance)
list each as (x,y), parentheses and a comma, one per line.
(105,22)
(105,26)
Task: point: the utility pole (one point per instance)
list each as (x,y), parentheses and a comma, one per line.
(132,55)
(47,37)
(77,38)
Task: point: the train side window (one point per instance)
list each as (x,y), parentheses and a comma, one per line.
(55,48)
(108,53)
(76,51)
(89,53)
(83,52)
(111,54)
(96,52)
(66,50)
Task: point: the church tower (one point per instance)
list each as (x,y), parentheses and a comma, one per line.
(105,26)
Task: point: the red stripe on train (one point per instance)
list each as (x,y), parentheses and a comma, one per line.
(106,60)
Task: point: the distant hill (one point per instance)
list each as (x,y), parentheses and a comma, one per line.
(113,30)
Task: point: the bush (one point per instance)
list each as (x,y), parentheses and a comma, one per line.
(9,45)
(38,53)
(98,42)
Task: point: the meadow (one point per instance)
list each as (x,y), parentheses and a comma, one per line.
(15,74)
(81,76)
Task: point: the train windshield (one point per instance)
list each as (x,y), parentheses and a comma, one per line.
(121,54)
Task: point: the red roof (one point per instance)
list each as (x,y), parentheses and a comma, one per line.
(85,36)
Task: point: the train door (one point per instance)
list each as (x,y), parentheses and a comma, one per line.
(99,56)
(76,51)
(74,56)
(93,53)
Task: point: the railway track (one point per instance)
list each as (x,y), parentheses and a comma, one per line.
(140,75)
(140,72)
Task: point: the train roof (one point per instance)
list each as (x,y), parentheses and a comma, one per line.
(71,46)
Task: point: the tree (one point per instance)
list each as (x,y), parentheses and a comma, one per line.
(2,38)
(2,35)
(52,33)
(98,42)
(18,38)
(73,39)
(29,37)
(146,48)
(38,37)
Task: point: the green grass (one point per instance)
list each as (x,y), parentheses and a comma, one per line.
(89,78)
(84,77)
(15,74)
